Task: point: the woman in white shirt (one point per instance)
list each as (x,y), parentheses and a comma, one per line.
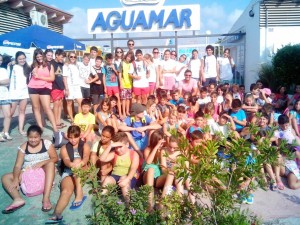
(71,71)
(226,64)
(5,104)
(18,90)
(168,71)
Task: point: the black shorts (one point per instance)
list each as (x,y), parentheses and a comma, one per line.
(39,91)
(132,182)
(96,99)
(86,93)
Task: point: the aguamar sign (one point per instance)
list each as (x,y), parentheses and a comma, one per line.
(144,16)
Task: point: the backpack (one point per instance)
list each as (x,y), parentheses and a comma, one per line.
(33,182)
(143,120)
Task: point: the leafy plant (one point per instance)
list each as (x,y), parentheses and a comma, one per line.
(225,172)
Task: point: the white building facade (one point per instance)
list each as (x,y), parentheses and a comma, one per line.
(269,25)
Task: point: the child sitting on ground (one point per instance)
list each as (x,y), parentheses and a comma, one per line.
(86,121)
(125,163)
(98,148)
(199,124)
(75,154)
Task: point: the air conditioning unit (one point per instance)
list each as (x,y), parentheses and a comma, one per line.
(38,18)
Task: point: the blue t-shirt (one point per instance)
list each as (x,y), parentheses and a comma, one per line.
(135,124)
(240,115)
(111,78)
(176,103)
(190,130)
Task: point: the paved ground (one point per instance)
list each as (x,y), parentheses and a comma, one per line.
(278,207)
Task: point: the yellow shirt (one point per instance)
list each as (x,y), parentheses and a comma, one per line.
(127,68)
(95,148)
(83,121)
(122,165)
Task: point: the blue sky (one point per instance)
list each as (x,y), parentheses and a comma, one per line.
(217,16)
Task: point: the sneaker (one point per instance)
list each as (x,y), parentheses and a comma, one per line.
(7,137)
(2,139)
(248,200)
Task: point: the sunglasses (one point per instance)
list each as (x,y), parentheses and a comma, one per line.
(155,52)
(73,57)
(174,54)
(119,52)
(188,75)
(130,44)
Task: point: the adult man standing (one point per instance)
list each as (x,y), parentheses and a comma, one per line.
(130,45)
(209,67)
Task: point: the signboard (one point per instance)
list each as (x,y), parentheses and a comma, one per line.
(143,19)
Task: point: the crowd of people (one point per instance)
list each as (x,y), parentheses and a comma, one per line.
(129,105)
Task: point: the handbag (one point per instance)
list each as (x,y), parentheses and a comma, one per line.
(33,182)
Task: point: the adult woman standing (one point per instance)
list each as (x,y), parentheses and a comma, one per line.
(49,55)
(119,56)
(168,70)
(71,71)
(5,104)
(39,87)
(34,153)
(226,65)
(18,89)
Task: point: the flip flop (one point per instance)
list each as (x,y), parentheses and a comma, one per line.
(54,220)
(46,206)
(280,186)
(77,205)
(12,208)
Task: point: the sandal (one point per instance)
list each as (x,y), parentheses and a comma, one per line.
(46,206)
(23,133)
(273,187)
(280,186)
(12,208)
(54,220)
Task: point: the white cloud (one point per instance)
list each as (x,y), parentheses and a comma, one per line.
(215,19)
(77,27)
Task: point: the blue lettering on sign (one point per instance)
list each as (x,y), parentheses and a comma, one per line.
(124,26)
(116,23)
(185,16)
(99,22)
(115,20)
(156,18)
(140,20)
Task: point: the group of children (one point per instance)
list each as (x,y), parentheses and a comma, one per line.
(141,147)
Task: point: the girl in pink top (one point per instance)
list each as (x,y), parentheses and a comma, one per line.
(39,87)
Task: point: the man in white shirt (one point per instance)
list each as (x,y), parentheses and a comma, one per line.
(209,67)
(84,72)
(194,65)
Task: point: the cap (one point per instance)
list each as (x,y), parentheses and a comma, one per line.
(136,108)
(267,91)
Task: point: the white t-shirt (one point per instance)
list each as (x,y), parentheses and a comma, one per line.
(4,94)
(210,66)
(180,76)
(152,73)
(141,70)
(217,128)
(71,71)
(225,68)
(18,87)
(195,67)
(169,64)
(84,73)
